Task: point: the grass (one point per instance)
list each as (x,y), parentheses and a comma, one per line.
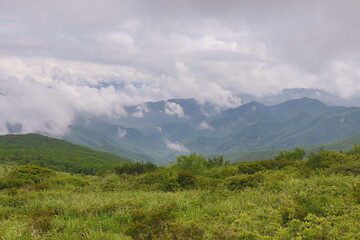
(294,202)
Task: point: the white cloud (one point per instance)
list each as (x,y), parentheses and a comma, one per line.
(174,109)
(122,132)
(176,146)
(203,125)
(114,53)
(140,110)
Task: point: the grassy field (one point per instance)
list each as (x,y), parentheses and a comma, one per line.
(315,198)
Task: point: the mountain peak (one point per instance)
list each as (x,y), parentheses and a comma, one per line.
(305,104)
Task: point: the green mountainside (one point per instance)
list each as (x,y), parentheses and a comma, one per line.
(344,145)
(55,154)
(159,137)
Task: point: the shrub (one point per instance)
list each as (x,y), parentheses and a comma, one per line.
(324,159)
(30,173)
(41,219)
(26,174)
(150,224)
(257,166)
(163,179)
(355,150)
(223,172)
(216,161)
(192,163)
(297,154)
(250,167)
(180,231)
(186,179)
(243,181)
(135,168)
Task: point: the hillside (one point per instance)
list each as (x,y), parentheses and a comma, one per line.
(160,131)
(55,154)
(344,145)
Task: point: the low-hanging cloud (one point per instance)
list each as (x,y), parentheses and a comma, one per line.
(140,111)
(60,58)
(174,109)
(122,132)
(176,146)
(205,126)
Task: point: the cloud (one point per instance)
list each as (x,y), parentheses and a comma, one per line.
(204,126)
(115,53)
(174,109)
(176,146)
(122,132)
(140,110)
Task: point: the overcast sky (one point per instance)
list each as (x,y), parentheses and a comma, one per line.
(61,57)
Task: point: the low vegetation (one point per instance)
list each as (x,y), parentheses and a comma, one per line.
(286,197)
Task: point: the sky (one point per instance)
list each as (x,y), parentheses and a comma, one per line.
(61,58)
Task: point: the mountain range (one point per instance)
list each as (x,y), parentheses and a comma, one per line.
(159,131)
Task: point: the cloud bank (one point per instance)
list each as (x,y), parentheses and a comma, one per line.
(59,59)
(176,146)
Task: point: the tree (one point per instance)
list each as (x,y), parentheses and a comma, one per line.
(216,161)
(297,154)
(193,163)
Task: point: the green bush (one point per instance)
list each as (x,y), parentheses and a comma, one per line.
(297,154)
(257,166)
(26,174)
(41,219)
(325,159)
(223,172)
(135,168)
(163,180)
(151,224)
(216,162)
(186,179)
(242,181)
(179,231)
(31,173)
(355,150)
(192,163)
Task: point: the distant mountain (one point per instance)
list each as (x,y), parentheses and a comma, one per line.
(55,154)
(174,127)
(116,139)
(150,114)
(293,123)
(344,145)
(297,93)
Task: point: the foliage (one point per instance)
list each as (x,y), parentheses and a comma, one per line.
(26,174)
(324,159)
(257,166)
(216,161)
(135,168)
(31,173)
(193,163)
(242,181)
(297,154)
(150,224)
(34,149)
(163,180)
(273,200)
(186,179)
(355,150)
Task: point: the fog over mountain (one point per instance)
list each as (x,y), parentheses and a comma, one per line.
(60,60)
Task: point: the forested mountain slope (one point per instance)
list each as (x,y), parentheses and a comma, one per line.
(55,154)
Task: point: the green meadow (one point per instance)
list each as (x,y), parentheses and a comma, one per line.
(287,197)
